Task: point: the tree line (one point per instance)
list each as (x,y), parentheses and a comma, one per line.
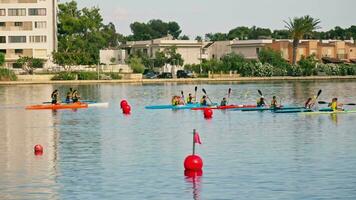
(82,33)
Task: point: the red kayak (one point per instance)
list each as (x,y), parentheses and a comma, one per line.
(226,107)
(57,106)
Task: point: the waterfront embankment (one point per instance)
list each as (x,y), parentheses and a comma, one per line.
(193,80)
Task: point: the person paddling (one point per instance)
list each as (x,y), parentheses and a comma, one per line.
(223,102)
(334,105)
(309,104)
(274,103)
(75,96)
(261,102)
(190,99)
(69,95)
(203,101)
(54,97)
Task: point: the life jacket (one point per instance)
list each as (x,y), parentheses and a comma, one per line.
(333,106)
(189,99)
(274,103)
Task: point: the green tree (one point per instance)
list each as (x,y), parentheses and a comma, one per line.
(154,29)
(2,59)
(216,36)
(173,58)
(184,37)
(258,33)
(81,34)
(280,34)
(299,28)
(272,57)
(136,64)
(160,59)
(29,63)
(199,38)
(241,33)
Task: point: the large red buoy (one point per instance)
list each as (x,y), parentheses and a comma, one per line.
(126,109)
(123,103)
(38,149)
(193,163)
(208,113)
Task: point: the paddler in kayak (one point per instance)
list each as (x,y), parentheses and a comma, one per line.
(274,103)
(335,106)
(176,100)
(75,96)
(223,102)
(69,95)
(203,101)
(261,102)
(55,97)
(309,104)
(190,99)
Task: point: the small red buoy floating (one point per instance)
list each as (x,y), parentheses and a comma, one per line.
(38,149)
(208,113)
(126,109)
(123,103)
(193,163)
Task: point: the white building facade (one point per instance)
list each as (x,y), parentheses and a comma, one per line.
(28,28)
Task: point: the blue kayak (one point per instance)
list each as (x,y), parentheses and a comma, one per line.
(292,110)
(267,108)
(178,107)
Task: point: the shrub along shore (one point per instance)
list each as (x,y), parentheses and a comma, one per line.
(271,63)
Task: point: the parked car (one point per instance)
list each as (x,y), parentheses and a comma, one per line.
(184,74)
(165,75)
(150,75)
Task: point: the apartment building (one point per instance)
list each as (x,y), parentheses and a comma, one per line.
(28,28)
(336,50)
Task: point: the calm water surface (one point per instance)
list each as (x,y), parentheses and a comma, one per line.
(98,153)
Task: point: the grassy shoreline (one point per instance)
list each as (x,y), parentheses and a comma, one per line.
(195,80)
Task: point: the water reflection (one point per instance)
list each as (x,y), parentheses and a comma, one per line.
(193,178)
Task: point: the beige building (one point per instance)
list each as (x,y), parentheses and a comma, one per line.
(28,28)
(191,50)
(337,50)
(249,48)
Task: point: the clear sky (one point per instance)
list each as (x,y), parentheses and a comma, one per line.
(197,17)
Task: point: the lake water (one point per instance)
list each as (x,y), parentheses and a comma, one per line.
(98,153)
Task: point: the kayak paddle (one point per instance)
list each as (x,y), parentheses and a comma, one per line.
(259,92)
(195,95)
(348,104)
(207,95)
(228,96)
(182,96)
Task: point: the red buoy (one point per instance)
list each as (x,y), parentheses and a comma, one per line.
(123,103)
(208,113)
(126,109)
(38,150)
(193,163)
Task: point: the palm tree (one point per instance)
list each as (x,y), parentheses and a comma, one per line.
(300,27)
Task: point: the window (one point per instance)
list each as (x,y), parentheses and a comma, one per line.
(17,12)
(37,11)
(38,39)
(17,39)
(19,51)
(2,39)
(2,12)
(2,24)
(41,25)
(18,24)
(257,51)
(3,51)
